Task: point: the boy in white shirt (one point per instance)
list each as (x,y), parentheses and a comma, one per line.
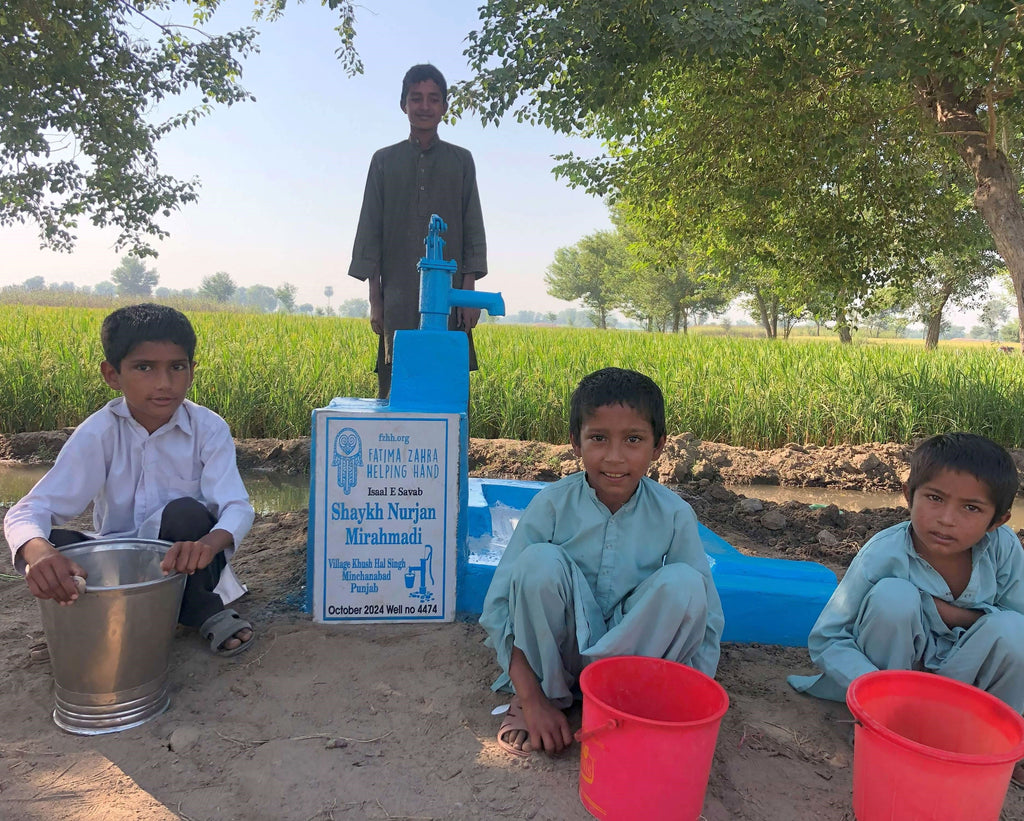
(155,466)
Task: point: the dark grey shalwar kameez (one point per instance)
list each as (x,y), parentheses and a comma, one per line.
(404,186)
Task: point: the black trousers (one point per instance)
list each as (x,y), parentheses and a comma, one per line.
(183,520)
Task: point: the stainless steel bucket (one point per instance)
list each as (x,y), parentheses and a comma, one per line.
(110,649)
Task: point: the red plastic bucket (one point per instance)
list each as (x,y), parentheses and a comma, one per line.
(928,748)
(648,737)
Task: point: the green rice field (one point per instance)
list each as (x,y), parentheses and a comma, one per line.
(265,373)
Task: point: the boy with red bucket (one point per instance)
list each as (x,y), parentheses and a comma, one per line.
(942,593)
(605,562)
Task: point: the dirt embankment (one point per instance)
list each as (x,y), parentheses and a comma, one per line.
(685,460)
(699,470)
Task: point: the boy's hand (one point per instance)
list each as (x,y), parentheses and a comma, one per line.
(468,318)
(50,574)
(376,305)
(377,319)
(188,557)
(954,616)
(547,726)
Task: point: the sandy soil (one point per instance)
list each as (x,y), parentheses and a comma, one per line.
(393,722)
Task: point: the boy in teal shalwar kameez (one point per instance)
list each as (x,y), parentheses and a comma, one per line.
(605,562)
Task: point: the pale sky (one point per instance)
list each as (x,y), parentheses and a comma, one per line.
(282,178)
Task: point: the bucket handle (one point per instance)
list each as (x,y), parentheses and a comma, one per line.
(610,724)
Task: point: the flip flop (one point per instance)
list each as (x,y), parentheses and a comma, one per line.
(222,626)
(513,720)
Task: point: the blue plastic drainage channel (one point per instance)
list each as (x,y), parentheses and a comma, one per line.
(769,601)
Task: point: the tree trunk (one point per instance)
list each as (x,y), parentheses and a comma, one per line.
(996,195)
(934,319)
(931,339)
(763,311)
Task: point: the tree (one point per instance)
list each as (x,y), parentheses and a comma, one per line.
(260,298)
(328,292)
(219,287)
(34,284)
(945,279)
(78,83)
(105,288)
(354,308)
(570,317)
(602,68)
(815,235)
(669,284)
(285,293)
(132,278)
(593,271)
(992,316)
(768,305)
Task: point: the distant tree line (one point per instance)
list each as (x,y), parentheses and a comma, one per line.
(667,285)
(132,278)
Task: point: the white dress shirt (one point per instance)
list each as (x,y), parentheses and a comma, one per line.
(130,475)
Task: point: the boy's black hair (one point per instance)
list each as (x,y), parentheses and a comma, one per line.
(617,386)
(971,453)
(133,324)
(417,74)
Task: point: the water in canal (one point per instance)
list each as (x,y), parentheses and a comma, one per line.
(272,492)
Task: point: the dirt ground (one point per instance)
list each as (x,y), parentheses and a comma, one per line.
(394,721)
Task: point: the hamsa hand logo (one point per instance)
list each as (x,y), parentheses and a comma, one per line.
(347,458)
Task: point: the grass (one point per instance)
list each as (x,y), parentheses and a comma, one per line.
(266,373)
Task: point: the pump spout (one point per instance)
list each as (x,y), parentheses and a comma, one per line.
(437,296)
(487,301)
(431,366)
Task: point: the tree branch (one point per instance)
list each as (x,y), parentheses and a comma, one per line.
(164,27)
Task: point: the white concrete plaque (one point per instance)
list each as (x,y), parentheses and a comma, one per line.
(386,496)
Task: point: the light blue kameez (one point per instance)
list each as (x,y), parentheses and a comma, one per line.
(578,583)
(882,616)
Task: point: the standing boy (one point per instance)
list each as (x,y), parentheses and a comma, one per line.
(406,184)
(943,592)
(605,562)
(154,465)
